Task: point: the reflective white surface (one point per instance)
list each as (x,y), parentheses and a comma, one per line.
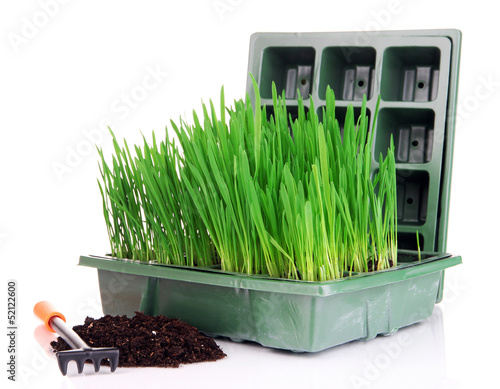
(79,68)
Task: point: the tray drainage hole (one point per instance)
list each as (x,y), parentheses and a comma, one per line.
(303,81)
(414,143)
(421,85)
(409,200)
(361,83)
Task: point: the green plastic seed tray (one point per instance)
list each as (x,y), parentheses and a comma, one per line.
(284,314)
(416,75)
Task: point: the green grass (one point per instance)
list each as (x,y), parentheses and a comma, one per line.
(241,191)
(147,213)
(418,248)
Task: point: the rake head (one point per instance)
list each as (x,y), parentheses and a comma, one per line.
(95,355)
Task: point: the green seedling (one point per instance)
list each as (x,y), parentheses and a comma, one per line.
(256,194)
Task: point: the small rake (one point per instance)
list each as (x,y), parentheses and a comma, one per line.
(56,322)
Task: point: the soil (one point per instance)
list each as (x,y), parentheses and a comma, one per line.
(371,268)
(152,341)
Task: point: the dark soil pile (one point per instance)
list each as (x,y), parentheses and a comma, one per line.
(153,341)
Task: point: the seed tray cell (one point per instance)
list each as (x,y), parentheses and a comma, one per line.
(349,71)
(411,73)
(290,68)
(412,131)
(412,196)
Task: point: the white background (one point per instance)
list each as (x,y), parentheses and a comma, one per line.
(64,70)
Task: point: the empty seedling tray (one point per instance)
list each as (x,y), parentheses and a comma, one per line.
(416,75)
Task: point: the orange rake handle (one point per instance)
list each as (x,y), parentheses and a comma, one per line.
(46,311)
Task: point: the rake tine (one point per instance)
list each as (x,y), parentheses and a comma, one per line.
(63,365)
(79,365)
(97,365)
(113,363)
